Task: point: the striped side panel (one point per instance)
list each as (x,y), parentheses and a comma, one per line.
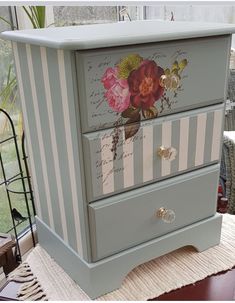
(54,102)
(39,135)
(49,115)
(70,147)
(52,141)
(28,130)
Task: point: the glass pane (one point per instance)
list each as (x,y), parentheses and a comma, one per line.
(75,15)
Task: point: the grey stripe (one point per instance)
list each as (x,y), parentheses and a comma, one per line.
(138,157)
(60,138)
(118,164)
(157,142)
(192,141)
(40,89)
(208,141)
(33,130)
(175,140)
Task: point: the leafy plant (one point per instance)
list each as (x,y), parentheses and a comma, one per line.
(36,15)
(8,93)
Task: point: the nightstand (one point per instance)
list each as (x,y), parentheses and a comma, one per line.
(123,124)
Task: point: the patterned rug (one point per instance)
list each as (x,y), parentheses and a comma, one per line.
(48,281)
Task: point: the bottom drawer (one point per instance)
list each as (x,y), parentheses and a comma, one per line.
(130,218)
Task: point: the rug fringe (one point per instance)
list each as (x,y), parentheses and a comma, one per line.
(30,289)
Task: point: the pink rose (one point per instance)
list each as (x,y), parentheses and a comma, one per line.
(109,77)
(118,96)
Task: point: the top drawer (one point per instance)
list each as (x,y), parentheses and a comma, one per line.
(118,86)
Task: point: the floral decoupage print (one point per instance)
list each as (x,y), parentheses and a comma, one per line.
(135,86)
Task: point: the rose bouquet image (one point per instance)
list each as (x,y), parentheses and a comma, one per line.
(135,85)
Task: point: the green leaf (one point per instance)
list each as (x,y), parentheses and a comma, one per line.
(8,22)
(29,14)
(132,126)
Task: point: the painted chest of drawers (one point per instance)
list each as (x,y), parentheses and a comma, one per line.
(123,124)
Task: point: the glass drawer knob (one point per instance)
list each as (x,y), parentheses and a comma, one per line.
(167,215)
(167,153)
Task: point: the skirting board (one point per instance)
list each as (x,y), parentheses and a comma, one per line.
(107,275)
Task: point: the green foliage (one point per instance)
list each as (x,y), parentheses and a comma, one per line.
(8,94)
(36,15)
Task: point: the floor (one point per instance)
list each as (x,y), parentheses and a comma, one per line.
(220,287)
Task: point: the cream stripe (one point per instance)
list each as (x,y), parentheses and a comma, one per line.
(166,142)
(27,128)
(69,145)
(200,142)
(183,145)
(216,135)
(107,164)
(39,133)
(128,162)
(53,141)
(147,153)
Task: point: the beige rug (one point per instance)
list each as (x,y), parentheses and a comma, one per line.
(181,267)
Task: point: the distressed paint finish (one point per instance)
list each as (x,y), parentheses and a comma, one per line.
(46,85)
(192,134)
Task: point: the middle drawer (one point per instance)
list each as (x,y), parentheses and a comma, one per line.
(122,158)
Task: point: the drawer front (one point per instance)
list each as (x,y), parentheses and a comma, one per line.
(129,219)
(114,164)
(122,85)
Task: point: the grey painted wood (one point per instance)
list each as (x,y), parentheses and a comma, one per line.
(202,81)
(47,109)
(92,143)
(78,153)
(33,130)
(44,117)
(107,35)
(98,278)
(128,221)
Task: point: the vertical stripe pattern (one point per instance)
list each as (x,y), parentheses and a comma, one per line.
(194,137)
(67,127)
(46,106)
(216,138)
(27,130)
(40,137)
(53,141)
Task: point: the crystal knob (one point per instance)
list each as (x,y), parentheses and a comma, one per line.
(167,215)
(167,153)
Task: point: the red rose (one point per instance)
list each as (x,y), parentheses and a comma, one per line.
(144,84)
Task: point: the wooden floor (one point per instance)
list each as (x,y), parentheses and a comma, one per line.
(220,287)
